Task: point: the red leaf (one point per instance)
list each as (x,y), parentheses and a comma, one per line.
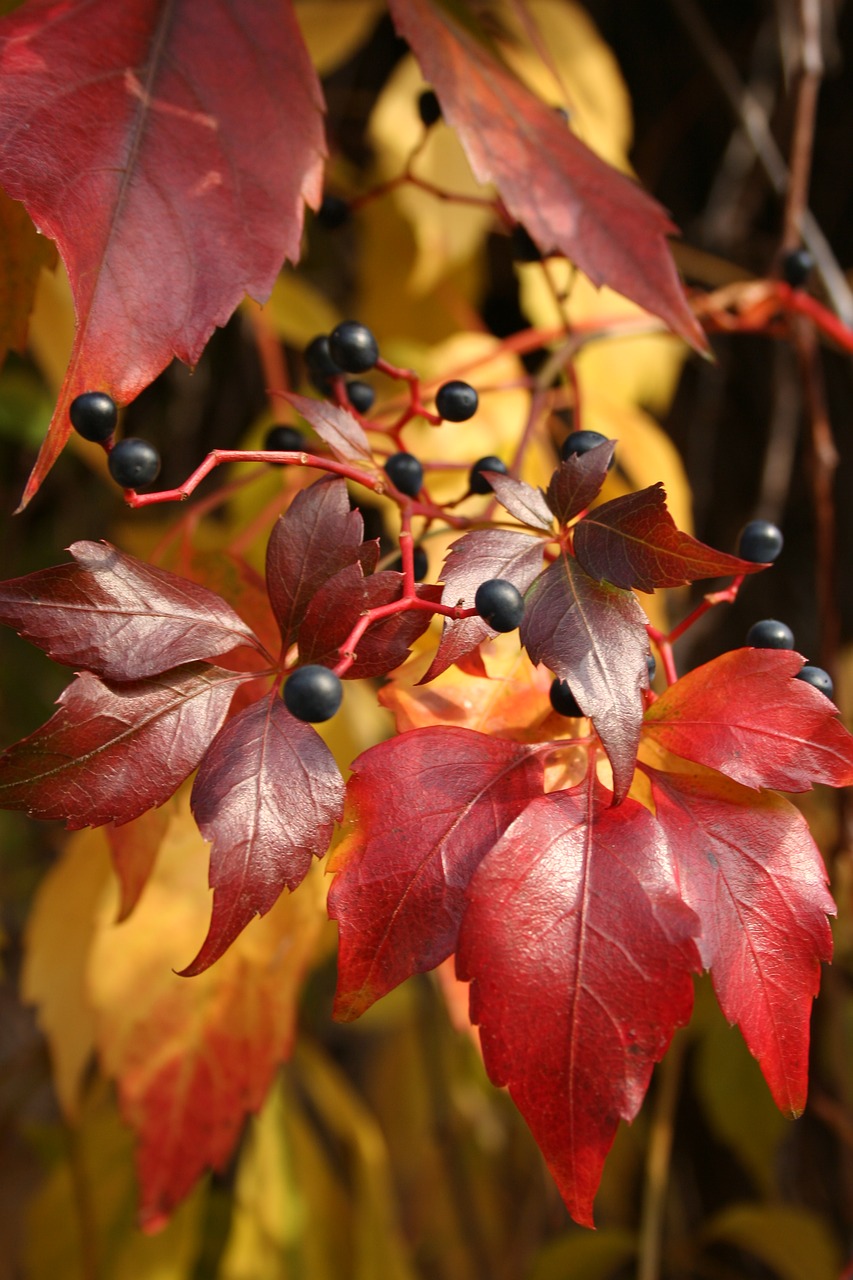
(746,715)
(114,750)
(387,642)
(566,197)
(749,868)
(331,616)
(119,617)
(316,537)
(170,187)
(267,795)
(579,952)
(633,542)
(593,635)
(337,427)
(237,582)
(474,558)
(577,481)
(133,849)
(522,501)
(426,807)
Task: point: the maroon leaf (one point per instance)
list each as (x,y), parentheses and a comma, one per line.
(170,188)
(746,715)
(118,616)
(387,642)
(566,197)
(474,558)
(521,500)
(337,427)
(267,796)
(331,616)
(633,542)
(593,635)
(579,952)
(317,536)
(577,481)
(749,868)
(424,808)
(114,750)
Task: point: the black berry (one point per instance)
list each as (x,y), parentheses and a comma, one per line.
(319,363)
(563,700)
(420,564)
(581,442)
(500,604)
(94,416)
(313,694)
(361,396)
(429,108)
(770,634)
(524,247)
(284,439)
(818,678)
(405,473)
(134,462)
(456,401)
(760,542)
(477,482)
(353,347)
(651,666)
(333,212)
(797,266)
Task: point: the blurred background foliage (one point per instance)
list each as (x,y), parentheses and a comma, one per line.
(382,1151)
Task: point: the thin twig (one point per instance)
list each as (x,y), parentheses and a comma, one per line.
(658,1157)
(802,141)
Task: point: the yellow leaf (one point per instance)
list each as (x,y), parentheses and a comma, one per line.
(23,253)
(298,311)
(335,29)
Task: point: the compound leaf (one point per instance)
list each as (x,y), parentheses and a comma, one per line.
(336,426)
(119,617)
(577,481)
(579,952)
(521,500)
(266,795)
(424,808)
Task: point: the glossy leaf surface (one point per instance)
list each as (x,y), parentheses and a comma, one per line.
(521,500)
(577,481)
(337,427)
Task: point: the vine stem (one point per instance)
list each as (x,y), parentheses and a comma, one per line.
(658,1160)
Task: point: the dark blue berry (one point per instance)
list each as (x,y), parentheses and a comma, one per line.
(524,247)
(319,363)
(582,442)
(429,108)
(333,212)
(284,439)
(477,482)
(770,634)
(405,473)
(563,700)
(456,401)
(651,666)
(134,463)
(500,604)
(797,266)
(760,542)
(313,694)
(94,416)
(353,347)
(361,396)
(818,678)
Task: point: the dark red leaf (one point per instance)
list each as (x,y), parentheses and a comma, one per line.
(387,642)
(424,809)
(594,636)
(331,616)
(114,750)
(474,558)
(522,501)
(118,616)
(267,795)
(746,715)
(133,849)
(749,868)
(170,188)
(577,481)
(241,585)
(337,427)
(633,542)
(316,537)
(566,197)
(579,951)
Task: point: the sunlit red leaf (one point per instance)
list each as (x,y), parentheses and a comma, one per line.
(593,635)
(751,871)
(170,188)
(522,501)
(566,197)
(579,952)
(114,750)
(266,796)
(424,807)
(316,537)
(745,714)
(474,558)
(23,253)
(337,427)
(119,617)
(242,586)
(633,542)
(577,481)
